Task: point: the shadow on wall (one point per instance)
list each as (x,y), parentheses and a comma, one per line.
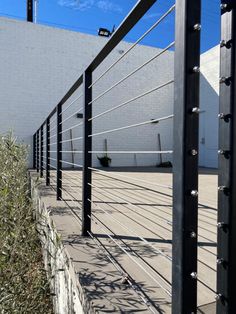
(208,133)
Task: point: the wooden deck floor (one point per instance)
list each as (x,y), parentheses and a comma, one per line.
(132,218)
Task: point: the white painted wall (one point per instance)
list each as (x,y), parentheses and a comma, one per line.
(39,64)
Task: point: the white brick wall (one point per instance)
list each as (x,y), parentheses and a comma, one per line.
(39,64)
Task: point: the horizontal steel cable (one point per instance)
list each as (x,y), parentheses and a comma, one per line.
(115,152)
(72,151)
(72,127)
(72,210)
(132,152)
(52,166)
(52,137)
(144,261)
(129,255)
(133,125)
(132,73)
(62,189)
(71,116)
(104,173)
(52,158)
(73,139)
(207,286)
(132,99)
(129,229)
(116,264)
(163,219)
(128,203)
(123,273)
(143,196)
(51,129)
(52,120)
(74,199)
(72,188)
(135,44)
(72,103)
(205,238)
(70,163)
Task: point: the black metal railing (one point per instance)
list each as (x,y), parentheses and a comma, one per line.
(64,154)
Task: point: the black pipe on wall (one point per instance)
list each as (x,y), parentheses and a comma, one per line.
(29,10)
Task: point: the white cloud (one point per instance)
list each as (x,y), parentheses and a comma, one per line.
(151,16)
(82,5)
(106,6)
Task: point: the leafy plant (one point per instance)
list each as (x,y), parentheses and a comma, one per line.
(104,161)
(23,283)
(165,164)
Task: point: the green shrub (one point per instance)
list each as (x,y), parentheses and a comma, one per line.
(23,283)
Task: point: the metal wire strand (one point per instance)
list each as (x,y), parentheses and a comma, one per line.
(52,158)
(73,139)
(129,229)
(72,127)
(70,163)
(102,191)
(135,44)
(111,258)
(133,251)
(133,125)
(52,120)
(53,128)
(132,73)
(52,166)
(132,99)
(67,151)
(72,103)
(73,114)
(207,286)
(132,152)
(115,152)
(123,273)
(104,173)
(130,256)
(72,188)
(51,137)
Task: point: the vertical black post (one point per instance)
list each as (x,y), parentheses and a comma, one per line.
(30,10)
(41,151)
(59,151)
(185,179)
(48,151)
(37,162)
(87,157)
(226,255)
(34,151)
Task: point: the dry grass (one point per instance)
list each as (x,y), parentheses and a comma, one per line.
(23,283)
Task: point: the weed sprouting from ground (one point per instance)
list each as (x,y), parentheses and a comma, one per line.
(23,283)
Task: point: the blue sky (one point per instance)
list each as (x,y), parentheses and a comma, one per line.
(88,15)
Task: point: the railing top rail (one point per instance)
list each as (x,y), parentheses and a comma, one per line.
(126,25)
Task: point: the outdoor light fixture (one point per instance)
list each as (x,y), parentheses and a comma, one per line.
(104,32)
